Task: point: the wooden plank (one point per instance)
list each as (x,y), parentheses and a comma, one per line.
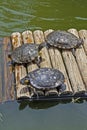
(73,72)
(39,38)
(28,38)
(1,69)
(81,58)
(6,75)
(20,71)
(83,35)
(57,62)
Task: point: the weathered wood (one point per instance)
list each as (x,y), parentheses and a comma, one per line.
(28,38)
(57,62)
(73,72)
(81,59)
(1,70)
(39,38)
(6,75)
(83,35)
(20,71)
(31,67)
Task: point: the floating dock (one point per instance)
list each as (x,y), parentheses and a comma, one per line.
(73,68)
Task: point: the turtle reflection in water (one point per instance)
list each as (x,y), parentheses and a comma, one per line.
(27,53)
(45,79)
(63,40)
(37,104)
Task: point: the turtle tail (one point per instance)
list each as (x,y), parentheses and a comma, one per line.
(43,44)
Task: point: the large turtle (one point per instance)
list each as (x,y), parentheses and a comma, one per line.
(27,53)
(45,79)
(63,40)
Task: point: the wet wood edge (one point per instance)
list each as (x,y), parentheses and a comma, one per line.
(57,62)
(73,72)
(1,69)
(20,71)
(7,77)
(81,58)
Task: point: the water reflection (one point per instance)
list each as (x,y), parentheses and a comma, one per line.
(37,104)
(49,103)
(43,104)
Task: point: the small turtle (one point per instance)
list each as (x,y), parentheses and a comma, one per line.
(63,40)
(27,53)
(44,79)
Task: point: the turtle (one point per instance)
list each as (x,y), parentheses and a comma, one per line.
(63,40)
(27,53)
(44,79)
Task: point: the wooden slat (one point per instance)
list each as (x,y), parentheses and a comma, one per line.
(57,62)
(83,35)
(81,59)
(6,84)
(39,38)
(31,67)
(73,72)
(20,71)
(1,69)
(28,38)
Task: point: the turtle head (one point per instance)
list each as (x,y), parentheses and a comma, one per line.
(25,80)
(41,45)
(80,42)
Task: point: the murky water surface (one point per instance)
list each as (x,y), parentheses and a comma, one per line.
(42,14)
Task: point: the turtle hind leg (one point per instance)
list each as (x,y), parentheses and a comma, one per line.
(61,88)
(10,63)
(73,52)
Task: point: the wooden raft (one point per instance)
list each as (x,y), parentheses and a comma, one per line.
(74,69)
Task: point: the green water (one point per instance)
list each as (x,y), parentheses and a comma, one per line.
(40,14)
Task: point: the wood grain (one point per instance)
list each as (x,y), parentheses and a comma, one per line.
(20,71)
(57,62)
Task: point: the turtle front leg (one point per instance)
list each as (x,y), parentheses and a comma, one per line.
(38,60)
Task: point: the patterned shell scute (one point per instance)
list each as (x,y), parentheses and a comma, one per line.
(63,39)
(25,53)
(46,78)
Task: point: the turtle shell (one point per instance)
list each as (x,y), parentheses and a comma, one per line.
(25,53)
(44,78)
(63,40)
